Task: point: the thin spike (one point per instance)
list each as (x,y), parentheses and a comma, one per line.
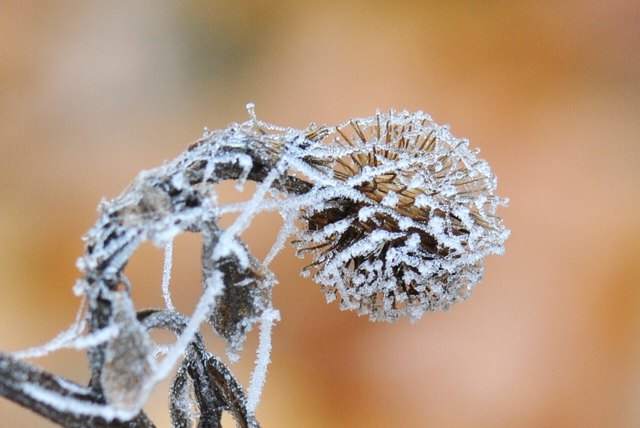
(356,161)
(346,166)
(405,142)
(432,142)
(361,135)
(471,192)
(347,139)
(388,130)
(470,181)
(317,247)
(402,142)
(392,176)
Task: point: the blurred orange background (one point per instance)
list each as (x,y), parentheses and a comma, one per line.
(93,92)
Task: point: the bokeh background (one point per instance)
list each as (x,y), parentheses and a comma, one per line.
(93,92)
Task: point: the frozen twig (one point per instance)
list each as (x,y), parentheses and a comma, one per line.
(52,397)
(397,214)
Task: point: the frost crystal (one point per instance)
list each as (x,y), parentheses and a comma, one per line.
(413,237)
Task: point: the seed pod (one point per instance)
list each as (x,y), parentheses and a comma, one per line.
(407,219)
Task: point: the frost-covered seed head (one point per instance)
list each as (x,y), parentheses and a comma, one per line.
(413,235)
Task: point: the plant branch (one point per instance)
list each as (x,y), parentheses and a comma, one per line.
(27,385)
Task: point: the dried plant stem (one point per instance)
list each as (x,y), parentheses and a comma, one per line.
(127,220)
(17,379)
(399,216)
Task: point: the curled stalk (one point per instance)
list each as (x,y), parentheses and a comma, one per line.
(396,213)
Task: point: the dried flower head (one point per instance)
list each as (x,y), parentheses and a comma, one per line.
(409,217)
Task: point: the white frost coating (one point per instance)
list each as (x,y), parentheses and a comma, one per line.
(94,339)
(400,173)
(267,205)
(243,221)
(246,164)
(78,407)
(182,400)
(259,374)
(160,350)
(63,338)
(391,199)
(287,229)
(166,275)
(72,387)
(61,341)
(229,245)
